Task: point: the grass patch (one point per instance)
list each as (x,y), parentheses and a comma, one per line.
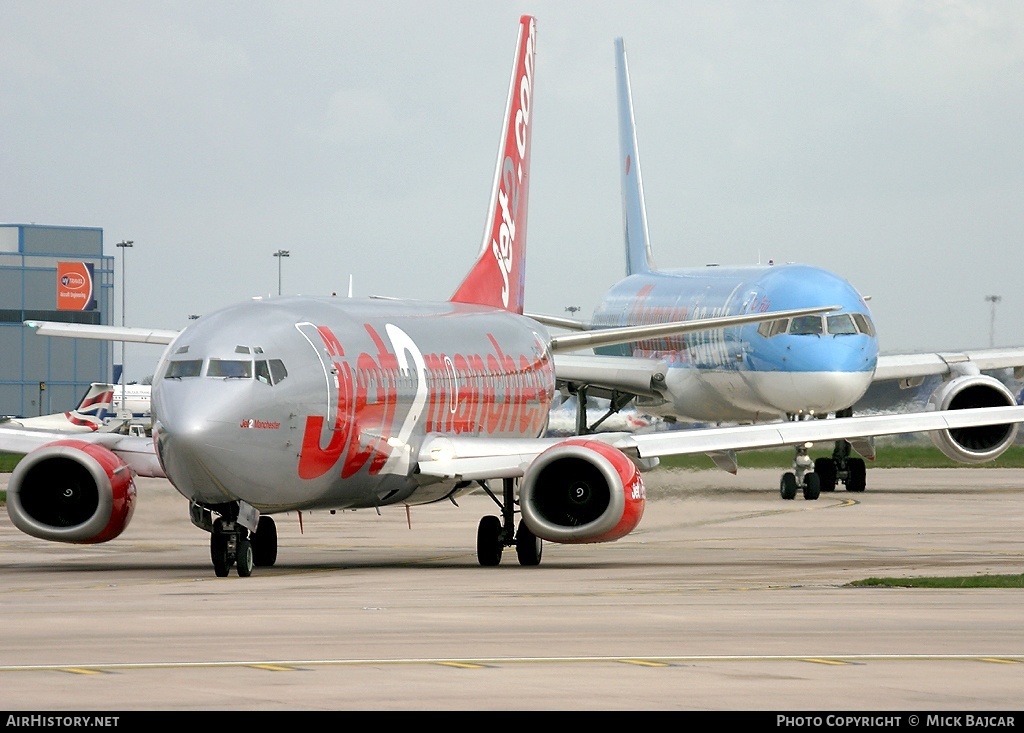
(888,456)
(971,581)
(8,461)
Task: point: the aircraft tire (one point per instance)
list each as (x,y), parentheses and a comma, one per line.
(488,541)
(264,543)
(529,547)
(812,486)
(244,560)
(826,470)
(857,480)
(219,551)
(787,486)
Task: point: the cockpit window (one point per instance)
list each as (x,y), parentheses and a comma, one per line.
(183,368)
(270,372)
(841,324)
(230,368)
(277,370)
(773,328)
(806,326)
(864,324)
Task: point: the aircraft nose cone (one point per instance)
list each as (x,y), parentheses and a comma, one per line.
(187,435)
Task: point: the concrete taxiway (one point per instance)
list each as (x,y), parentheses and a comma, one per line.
(725,598)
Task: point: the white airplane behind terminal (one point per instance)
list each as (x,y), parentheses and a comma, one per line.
(288,404)
(785,369)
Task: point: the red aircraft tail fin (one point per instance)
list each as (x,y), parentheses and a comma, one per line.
(497,279)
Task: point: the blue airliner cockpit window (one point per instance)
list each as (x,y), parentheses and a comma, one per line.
(864,324)
(806,326)
(773,328)
(841,324)
(230,368)
(183,368)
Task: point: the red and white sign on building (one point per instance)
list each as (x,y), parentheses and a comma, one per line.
(75,286)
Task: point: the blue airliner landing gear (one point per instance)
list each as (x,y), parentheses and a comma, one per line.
(493,535)
(802,475)
(842,467)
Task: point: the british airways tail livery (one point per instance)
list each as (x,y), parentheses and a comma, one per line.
(321,403)
(94,412)
(789,368)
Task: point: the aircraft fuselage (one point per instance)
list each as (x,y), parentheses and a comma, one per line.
(322,402)
(747,372)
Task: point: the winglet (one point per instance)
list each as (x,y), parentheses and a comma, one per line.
(634,212)
(498,277)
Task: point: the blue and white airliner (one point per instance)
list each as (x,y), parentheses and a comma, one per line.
(787,369)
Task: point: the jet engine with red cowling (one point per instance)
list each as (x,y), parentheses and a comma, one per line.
(71,491)
(582,491)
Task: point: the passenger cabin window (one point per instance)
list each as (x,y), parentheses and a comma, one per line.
(229,368)
(183,368)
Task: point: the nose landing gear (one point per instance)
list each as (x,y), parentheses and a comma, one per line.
(234,545)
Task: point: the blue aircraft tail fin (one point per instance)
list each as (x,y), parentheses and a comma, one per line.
(634,213)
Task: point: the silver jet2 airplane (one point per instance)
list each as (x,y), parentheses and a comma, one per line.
(299,403)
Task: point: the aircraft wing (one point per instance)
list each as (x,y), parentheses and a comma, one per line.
(915,366)
(627,334)
(570,324)
(103,333)
(138,453)
(470,458)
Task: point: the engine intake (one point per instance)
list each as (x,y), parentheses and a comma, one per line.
(71,491)
(977,444)
(582,491)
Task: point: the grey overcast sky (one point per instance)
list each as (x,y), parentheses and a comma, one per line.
(882,140)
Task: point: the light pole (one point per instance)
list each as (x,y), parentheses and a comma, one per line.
(123,245)
(280,255)
(993,299)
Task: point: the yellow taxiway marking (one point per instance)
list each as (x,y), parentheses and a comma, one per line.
(274,667)
(485,662)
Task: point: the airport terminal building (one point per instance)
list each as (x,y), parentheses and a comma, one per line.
(52,273)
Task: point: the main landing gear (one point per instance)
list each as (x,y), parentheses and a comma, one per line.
(841,467)
(494,534)
(232,544)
